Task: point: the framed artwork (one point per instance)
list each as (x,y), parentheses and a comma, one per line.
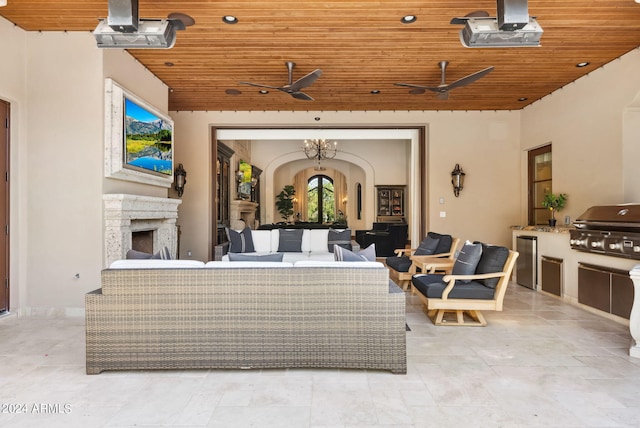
(138,139)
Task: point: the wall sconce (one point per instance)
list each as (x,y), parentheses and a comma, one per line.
(180,179)
(457,179)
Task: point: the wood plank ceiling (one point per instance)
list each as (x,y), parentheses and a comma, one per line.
(361,46)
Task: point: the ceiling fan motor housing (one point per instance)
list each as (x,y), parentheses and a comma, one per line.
(512,14)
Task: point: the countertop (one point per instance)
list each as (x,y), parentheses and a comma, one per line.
(542,228)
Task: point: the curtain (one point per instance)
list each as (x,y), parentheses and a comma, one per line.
(340,192)
(300,184)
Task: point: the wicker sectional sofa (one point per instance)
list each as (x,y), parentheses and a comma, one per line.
(230,315)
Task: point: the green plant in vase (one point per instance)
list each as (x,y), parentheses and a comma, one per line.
(554,202)
(284,202)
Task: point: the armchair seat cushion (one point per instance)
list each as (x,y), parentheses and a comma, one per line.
(399,264)
(432,286)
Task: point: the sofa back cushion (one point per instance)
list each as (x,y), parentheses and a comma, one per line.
(317,240)
(467,260)
(247,264)
(262,240)
(492,260)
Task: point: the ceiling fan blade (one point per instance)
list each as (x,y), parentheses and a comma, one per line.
(469,79)
(305,81)
(301,96)
(410,85)
(260,86)
(417,91)
(475,14)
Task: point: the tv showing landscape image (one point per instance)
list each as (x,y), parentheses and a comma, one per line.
(148,140)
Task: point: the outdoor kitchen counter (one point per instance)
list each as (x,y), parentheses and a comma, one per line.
(554,242)
(540,228)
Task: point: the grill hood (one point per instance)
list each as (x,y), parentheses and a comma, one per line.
(625,217)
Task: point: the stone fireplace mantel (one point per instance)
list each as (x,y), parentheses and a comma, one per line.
(241,214)
(125,214)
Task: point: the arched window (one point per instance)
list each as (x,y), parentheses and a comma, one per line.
(321,204)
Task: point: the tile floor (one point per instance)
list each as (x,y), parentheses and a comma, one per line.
(541,362)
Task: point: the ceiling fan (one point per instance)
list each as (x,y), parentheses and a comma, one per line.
(293,88)
(443,88)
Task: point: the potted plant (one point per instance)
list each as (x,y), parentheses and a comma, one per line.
(554,202)
(284,202)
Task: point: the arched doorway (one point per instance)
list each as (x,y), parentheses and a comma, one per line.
(321,202)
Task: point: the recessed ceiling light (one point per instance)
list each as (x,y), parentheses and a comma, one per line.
(375,91)
(232,92)
(264,91)
(408,19)
(229,19)
(582,64)
(523,99)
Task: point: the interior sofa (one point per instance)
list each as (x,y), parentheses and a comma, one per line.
(294,244)
(183,314)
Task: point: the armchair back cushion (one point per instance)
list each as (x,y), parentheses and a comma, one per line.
(493,259)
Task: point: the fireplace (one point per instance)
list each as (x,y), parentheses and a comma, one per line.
(150,219)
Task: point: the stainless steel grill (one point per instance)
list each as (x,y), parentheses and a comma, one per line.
(609,229)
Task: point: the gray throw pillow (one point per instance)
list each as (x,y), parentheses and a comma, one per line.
(343,255)
(341,238)
(428,246)
(290,241)
(239,257)
(163,254)
(240,242)
(467,260)
(138,255)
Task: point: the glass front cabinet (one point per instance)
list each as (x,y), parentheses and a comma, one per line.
(390,203)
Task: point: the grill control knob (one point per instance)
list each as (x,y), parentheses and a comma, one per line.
(615,246)
(636,249)
(596,244)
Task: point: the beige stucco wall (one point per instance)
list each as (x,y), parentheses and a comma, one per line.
(54,82)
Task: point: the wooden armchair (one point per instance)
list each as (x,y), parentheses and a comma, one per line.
(465,294)
(409,261)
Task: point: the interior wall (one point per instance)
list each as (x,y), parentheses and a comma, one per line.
(584,123)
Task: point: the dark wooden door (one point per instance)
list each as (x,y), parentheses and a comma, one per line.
(4,206)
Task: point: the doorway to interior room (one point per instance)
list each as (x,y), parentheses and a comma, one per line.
(4,207)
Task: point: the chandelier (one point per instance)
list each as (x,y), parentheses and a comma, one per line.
(320,149)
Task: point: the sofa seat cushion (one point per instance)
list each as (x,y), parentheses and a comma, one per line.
(155,264)
(246,264)
(432,286)
(399,264)
(294,257)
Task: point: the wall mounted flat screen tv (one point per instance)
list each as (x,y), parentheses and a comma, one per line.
(148,140)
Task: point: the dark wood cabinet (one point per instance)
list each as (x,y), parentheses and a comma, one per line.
(609,290)
(390,203)
(551,280)
(222,188)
